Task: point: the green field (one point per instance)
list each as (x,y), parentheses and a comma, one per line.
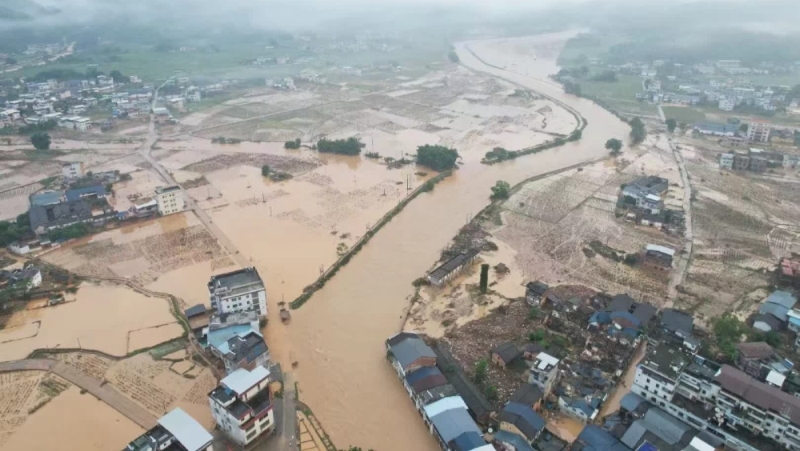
(624,89)
(579,49)
(684,114)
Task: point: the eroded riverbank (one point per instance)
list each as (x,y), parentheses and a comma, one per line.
(338,343)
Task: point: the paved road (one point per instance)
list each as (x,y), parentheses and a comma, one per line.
(105,392)
(676,278)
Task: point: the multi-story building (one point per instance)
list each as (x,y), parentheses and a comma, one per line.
(726,161)
(242,406)
(741,162)
(238,291)
(544,372)
(175,431)
(72,170)
(169,199)
(727,103)
(747,414)
(758,132)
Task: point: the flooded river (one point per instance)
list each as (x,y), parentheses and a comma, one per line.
(337,338)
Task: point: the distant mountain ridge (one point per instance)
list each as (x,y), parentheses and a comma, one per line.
(23,10)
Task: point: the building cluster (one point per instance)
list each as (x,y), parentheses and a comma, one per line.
(681,86)
(746,407)
(757,160)
(64,102)
(451,406)
(242,402)
(231,329)
(642,201)
(83,199)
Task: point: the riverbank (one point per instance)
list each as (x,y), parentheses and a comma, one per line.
(355,311)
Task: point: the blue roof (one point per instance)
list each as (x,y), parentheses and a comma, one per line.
(219,338)
(582,405)
(776,310)
(452,423)
(410,350)
(75,194)
(715,127)
(50,198)
(628,316)
(631,401)
(422,373)
(467,441)
(600,317)
(782,298)
(595,438)
(527,413)
(514,440)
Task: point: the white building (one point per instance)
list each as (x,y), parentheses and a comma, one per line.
(791,161)
(238,291)
(727,103)
(242,406)
(721,399)
(72,170)
(170,200)
(174,431)
(726,161)
(758,132)
(544,372)
(193,94)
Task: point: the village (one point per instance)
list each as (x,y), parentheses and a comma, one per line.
(173,250)
(615,306)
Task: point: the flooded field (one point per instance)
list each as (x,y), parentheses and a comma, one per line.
(107,318)
(72,420)
(161,254)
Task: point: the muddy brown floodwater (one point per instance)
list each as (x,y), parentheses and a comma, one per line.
(337,338)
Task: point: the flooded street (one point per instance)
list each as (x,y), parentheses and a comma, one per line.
(337,338)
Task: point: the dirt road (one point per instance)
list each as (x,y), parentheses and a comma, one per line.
(677,275)
(105,392)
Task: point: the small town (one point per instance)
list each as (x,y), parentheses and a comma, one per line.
(560,226)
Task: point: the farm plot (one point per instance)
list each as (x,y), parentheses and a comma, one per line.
(142,252)
(99,318)
(15,201)
(743,224)
(73,420)
(22,394)
(555,225)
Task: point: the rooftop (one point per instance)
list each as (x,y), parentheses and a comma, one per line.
(660,249)
(186,430)
(524,418)
(196,310)
(506,351)
(242,380)
(443,405)
(167,189)
(519,443)
(453,264)
(246,347)
(410,350)
(47,198)
(527,394)
(756,350)
(234,282)
(60,214)
(452,423)
(675,320)
(545,361)
(759,394)
(666,360)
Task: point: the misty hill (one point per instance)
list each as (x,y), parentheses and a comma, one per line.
(23,10)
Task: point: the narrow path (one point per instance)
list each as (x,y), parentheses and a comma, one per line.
(676,278)
(103,391)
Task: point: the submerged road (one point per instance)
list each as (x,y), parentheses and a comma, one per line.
(105,392)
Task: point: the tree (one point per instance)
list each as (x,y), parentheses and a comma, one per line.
(576,135)
(671,124)
(501,190)
(11,60)
(614,145)
(292,144)
(438,158)
(481,368)
(484,278)
(40,140)
(349,146)
(118,77)
(728,331)
(265,170)
(453,56)
(572,88)
(638,132)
